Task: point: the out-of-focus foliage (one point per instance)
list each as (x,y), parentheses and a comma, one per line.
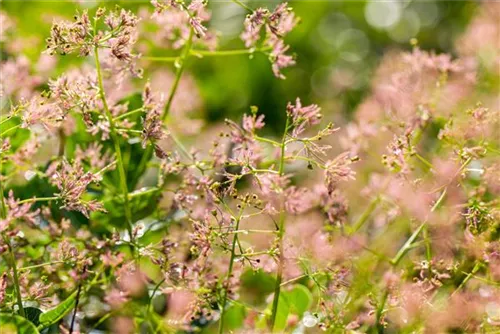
(336,46)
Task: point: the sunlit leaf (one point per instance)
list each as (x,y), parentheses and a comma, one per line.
(300,299)
(15,324)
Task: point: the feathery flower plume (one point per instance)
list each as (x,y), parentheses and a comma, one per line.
(72,182)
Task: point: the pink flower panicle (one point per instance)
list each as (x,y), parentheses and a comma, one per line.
(176,20)
(303,117)
(152,123)
(17,211)
(277,24)
(338,170)
(72,182)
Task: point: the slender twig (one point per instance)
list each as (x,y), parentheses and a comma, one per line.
(365,215)
(407,246)
(380,312)
(38,199)
(178,74)
(114,137)
(162,59)
(157,286)
(40,265)
(266,140)
(77,300)
(424,161)
(241,4)
(423,227)
(254,254)
(129,113)
(12,260)
(15,277)
(229,273)
(476,268)
(300,277)
(221,53)
(252,231)
(281,233)
(62,143)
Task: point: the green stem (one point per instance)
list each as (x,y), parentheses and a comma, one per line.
(217,53)
(300,277)
(9,130)
(3,207)
(269,141)
(3,214)
(241,4)
(253,254)
(476,268)
(439,200)
(228,277)
(424,161)
(15,277)
(380,312)
(423,227)
(5,119)
(178,74)
(116,143)
(142,193)
(12,260)
(365,215)
(162,59)
(38,199)
(252,231)
(40,265)
(207,53)
(281,233)
(148,310)
(408,245)
(129,113)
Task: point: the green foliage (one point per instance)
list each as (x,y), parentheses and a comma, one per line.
(33,314)
(234,317)
(54,315)
(142,204)
(11,324)
(295,301)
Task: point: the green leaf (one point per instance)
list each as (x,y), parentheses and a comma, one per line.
(33,314)
(142,205)
(12,324)
(234,317)
(282,313)
(296,301)
(300,299)
(53,316)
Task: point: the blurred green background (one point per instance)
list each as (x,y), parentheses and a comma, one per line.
(337,44)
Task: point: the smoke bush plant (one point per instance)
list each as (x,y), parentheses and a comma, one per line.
(387,223)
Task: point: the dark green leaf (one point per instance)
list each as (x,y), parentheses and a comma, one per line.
(142,205)
(33,314)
